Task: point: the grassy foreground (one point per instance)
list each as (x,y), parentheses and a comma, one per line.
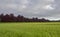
(51,29)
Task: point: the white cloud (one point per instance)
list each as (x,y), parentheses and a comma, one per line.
(48,7)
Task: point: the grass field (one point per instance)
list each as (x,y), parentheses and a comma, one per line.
(51,29)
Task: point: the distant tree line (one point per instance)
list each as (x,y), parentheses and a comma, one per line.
(19,18)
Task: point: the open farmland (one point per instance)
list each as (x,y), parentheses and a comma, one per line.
(45,29)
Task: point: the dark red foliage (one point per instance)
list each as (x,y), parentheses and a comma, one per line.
(19,18)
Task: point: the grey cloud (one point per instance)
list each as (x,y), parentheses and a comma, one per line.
(32,8)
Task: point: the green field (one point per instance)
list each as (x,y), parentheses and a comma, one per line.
(51,29)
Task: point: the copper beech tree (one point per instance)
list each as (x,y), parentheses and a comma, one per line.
(19,18)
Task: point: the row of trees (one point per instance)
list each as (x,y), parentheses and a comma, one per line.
(19,18)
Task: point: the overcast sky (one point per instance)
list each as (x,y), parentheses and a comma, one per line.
(49,9)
